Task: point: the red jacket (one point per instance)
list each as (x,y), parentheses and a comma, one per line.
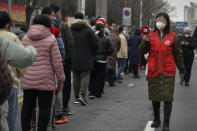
(161,58)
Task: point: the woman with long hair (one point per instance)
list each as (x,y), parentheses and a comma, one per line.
(165,54)
(40,80)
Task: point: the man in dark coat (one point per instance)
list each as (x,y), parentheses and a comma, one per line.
(82,60)
(134,54)
(111,60)
(69,47)
(188,54)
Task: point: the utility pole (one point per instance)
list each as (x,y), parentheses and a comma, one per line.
(141,10)
(101,8)
(81,6)
(10,7)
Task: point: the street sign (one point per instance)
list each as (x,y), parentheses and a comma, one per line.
(181,24)
(127,16)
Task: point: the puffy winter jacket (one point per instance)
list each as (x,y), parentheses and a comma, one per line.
(41,75)
(85,46)
(104,49)
(16,55)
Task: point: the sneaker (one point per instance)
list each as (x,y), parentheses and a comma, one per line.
(76,101)
(99,98)
(186,84)
(70,113)
(83,101)
(92,97)
(62,120)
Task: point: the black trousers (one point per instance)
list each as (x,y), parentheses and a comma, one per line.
(44,103)
(97,79)
(167,111)
(188,67)
(67,84)
(111,76)
(143,61)
(135,69)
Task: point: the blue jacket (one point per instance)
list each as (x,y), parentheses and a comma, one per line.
(61,46)
(60,42)
(134,42)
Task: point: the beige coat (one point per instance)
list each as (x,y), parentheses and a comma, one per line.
(123,52)
(16,73)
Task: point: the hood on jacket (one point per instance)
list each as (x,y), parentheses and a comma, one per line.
(79,24)
(115,30)
(137,32)
(38,32)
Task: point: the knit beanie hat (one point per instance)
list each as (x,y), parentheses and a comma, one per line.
(102,21)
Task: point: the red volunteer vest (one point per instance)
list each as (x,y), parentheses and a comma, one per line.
(161,58)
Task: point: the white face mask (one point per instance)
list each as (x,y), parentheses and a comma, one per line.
(187,35)
(160,25)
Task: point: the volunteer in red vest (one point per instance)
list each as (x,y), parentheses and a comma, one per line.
(165,54)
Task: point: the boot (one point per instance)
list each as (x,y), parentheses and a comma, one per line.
(165,127)
(156,123)
(156,110)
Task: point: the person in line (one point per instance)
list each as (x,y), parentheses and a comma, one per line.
(98,74)
(188,54)
(122,55)
(111,60)
(39,81)
(19,57)
(165,54)
(16,73)
(82,60)
(57,102)
(134,55)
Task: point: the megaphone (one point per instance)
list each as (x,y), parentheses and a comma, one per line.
(145,30)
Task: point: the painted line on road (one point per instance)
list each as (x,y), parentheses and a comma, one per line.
(148,126)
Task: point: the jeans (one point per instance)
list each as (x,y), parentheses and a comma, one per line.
(3,116)
(58,104)
(122,64)
(44,103)
(13,110)
(80,82)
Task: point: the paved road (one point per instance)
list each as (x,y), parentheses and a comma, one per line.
(126,108)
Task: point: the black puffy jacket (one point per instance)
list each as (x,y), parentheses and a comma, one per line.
(85,46)
(104,49)
(188,50)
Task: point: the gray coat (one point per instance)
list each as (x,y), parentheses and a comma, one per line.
(16,55)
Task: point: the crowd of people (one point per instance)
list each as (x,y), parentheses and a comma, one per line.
(97,53)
